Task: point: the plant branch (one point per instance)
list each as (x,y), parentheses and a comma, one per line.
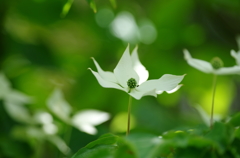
(129,115)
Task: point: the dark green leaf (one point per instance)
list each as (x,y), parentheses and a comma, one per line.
(235,120)
(222,135)
(125,150)
(100,148)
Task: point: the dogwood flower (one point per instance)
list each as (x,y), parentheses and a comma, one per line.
(236,55)
(84,120)
(131,76)
(215,67)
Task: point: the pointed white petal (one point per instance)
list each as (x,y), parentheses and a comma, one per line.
(106,75)
(86,120)
(87,129)
(138,67)
(233,53)
(59,106)
(59,143)
(5,86)
(18,112)
(198,64)
(18,97)
(236,55)
(90,116)
(105,83)
(228,70)
(124,69)
(137,94)
(171,91)
(165,83)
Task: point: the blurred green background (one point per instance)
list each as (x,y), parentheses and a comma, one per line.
(41,49)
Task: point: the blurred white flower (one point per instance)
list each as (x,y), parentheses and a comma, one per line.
(131,76)
(236,55)
(14,101)
(215,67)
(84,120)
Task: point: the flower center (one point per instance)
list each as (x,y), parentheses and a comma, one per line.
(216,63)
(132,83)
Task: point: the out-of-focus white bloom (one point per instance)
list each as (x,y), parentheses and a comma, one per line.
(207,67)
(84,120)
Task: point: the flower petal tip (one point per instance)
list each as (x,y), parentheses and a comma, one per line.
(136,47)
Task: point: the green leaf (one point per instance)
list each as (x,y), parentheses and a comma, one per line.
(113,2)
(103,147)
(222,135)
(235,150)
(66,8)
(92,5)
(145,145)
(125,150)
(235,120)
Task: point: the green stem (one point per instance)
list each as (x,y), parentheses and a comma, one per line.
(213,96)
(129,115)
(66,138)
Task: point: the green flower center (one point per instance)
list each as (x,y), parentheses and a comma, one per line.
(132,83)
(216,63)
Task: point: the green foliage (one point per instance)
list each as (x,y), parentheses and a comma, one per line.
(102,147)
(91,3)
(221,141)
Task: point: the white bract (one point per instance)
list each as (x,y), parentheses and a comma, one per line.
(131,76)
(207,67)
(84,120)
(236,55)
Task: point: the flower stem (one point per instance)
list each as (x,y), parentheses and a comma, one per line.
(213,96)
(129,115)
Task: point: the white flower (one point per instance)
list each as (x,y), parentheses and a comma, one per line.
(131,76)
(236,55)
(207,67)
(84,120)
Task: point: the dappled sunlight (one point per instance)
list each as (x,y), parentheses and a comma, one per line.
(125,27)
(118,123)
(224,96)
